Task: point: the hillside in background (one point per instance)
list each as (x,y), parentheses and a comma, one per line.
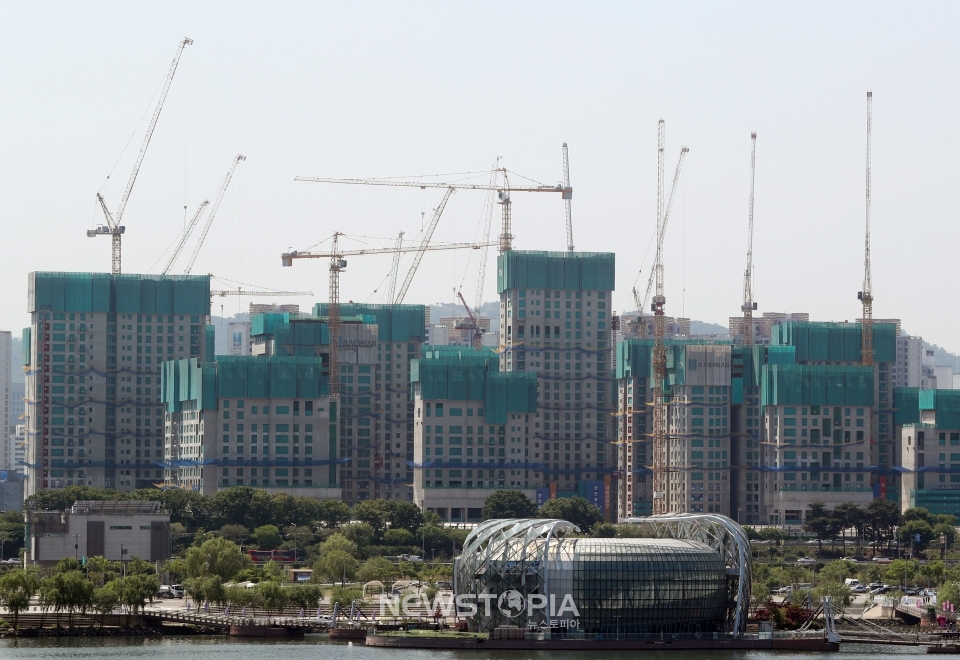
(704,328)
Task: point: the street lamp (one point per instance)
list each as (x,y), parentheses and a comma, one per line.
(738,515)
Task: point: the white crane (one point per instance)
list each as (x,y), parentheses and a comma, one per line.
(395,267)
(567,199)
(213,212)
(186,235)
(418,257)
(748,303)
(113,228)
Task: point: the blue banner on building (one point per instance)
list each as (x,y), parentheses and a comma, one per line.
(592,491)
(543,494)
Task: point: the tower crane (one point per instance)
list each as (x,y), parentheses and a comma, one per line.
(661,231)
(503,190)
(242,292)
(748,303)
(866,296)
(113,228)
(186,235)
(395,267)
(567,199)
(659,332)
(213,212)
(476,335)
(487,221)
(337,265)
(418,257)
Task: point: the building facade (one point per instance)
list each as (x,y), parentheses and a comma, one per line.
(556,322)
(243,421)
(7,417)
(115,530)
(474,432)
(94,352)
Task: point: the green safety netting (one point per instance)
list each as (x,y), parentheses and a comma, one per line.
(835,342)
(125,294)
(396,323)
(906,403)
(585,271)
(25,344)
(944,403)
(816,385)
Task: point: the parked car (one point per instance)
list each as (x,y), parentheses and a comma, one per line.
(859,589)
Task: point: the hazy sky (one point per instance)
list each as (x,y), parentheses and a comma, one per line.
(358,89)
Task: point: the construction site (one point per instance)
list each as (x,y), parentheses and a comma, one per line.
(557,395)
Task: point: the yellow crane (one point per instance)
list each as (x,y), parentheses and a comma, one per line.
(338,264)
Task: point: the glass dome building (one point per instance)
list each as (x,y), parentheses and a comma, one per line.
(529,573)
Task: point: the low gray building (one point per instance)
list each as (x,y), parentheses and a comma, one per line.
(116,530)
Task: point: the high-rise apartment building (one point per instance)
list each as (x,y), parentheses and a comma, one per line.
(766,429)
(250,421)
(94,350)
(763,325)
(7,419)
(555,321)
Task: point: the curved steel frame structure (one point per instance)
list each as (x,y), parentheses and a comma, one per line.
(727,538)
(473,570)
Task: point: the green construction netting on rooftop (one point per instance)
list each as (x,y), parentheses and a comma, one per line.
(835,342)
(476,379)
(188,380)
(485,355)
(119,294)
(635,357)
(755,357)
(945,404)
(263,324)
(240,377)
(584,271)
(816,385)
(396,323)
(906,405)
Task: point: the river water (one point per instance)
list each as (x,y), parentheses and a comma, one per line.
(316,648)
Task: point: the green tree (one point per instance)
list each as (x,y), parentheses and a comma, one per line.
(304,596)
(838,571)
(901,571)
(508,504)
(332,513)
(188,508)
(404,515)
(339,542)
(100,570)
(374,512)
(268,537)
(274,596)
(216,556)
(104,601)
(360,533)
(17,587)
(378,568)
(337,565)
(399,537)
(236,533)
(820,522)
(911,529)
(344,596)
(576,510)
(918,513)
(882,516)
(847,515)
(242,505)
(434,538)
(11,533)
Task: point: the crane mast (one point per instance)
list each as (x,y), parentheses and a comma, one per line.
(659,351)
(748,304)
(213,212)
(866,296)
(566,199)
(487,220)
(337,264)
(476,335)
(423,246)
(394,268)
(113,227)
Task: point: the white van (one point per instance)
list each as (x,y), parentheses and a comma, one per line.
(852,583)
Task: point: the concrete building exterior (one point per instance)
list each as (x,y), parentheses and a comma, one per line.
(94,352)
(556,322)
(767,429)
(266,422)
(17,404)
(908,369)
(7,417)
(928,424)
(763,325)
(115,530)
(474,432)
(15,450)
(238,333)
